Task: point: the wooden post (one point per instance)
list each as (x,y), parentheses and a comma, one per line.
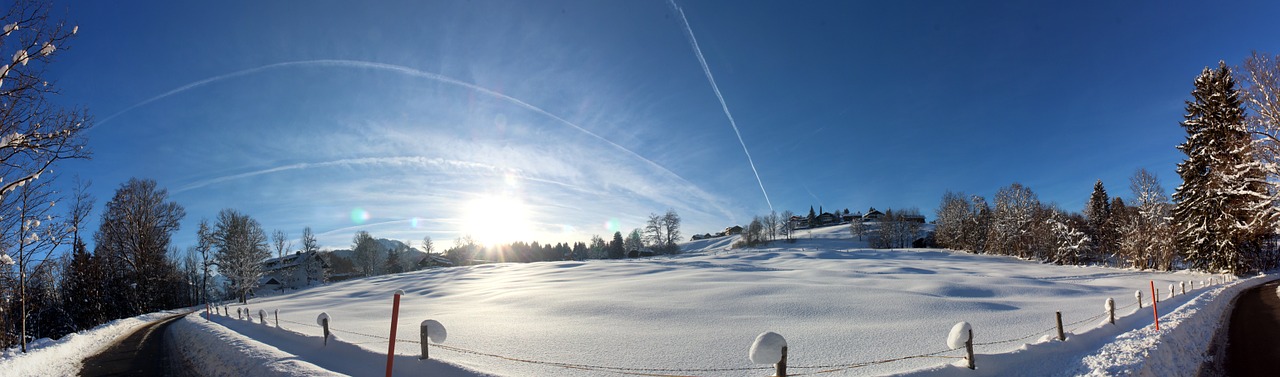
(325,323)
(1061,336)
(391,347)
(1111,311)
(262,316)
(780,369)
(1154,311)
(277,318)
(1183,286)
(422,337)
(1138,294)
(968,346)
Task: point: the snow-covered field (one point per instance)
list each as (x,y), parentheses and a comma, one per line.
(837,305)
(65,356)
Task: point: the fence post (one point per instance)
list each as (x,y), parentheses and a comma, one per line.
(780,369)
(431,331)
(1138,294)
(277,318)
(395,316)
(1171,291)
(968,346)
(323,320)
(1111,310)
(1183,286)
(1061,336)
(262,316)
(1154,311)
(422,339)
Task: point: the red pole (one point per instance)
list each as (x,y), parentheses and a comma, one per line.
(395,316)
(1154,312)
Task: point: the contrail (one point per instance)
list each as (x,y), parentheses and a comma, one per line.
(693,41)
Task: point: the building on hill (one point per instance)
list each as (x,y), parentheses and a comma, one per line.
(849,218)
(294,271)
(733,230)
(826,219)
(798,222)
(913,218)
(873,215)
(434,260)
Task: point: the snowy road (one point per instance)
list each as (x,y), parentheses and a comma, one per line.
(1254,345)
(142,353)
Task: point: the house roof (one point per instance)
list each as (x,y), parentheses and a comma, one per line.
(291,260)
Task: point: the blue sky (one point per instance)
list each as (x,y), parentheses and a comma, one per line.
(556,120)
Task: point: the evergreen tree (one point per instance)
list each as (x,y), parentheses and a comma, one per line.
(615,247)
(1223,211)
(812,217)
(1098,213)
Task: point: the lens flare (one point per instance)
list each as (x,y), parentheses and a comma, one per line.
(359,216)
(613,225)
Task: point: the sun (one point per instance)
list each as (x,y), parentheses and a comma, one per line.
(495,220)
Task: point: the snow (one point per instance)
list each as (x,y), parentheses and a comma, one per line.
(836,302)
(959,335)
(767,349)
(435,331)
(65,356)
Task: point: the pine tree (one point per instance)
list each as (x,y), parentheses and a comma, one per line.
(1098,213)
(1222,211)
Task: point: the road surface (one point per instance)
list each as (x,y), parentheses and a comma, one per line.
(139,354)
(1253,346)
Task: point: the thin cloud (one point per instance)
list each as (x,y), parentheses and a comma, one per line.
(691,188)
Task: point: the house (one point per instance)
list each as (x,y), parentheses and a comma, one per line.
(848,218)
(826,219)
(798,222)
(873,215)
(733,230)
(434,260)
(291,271)
(913,218)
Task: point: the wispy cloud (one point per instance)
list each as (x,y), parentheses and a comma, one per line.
(693,41)
(688,187)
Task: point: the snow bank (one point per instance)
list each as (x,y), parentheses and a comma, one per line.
(226,346)
(1180,347)
(65,356)
(212,350)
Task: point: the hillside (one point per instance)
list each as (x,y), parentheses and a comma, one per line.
(835,303)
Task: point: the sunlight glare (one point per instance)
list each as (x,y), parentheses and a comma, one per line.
(494,220)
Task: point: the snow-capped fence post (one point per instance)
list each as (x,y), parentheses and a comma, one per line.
(262,316)
(430,331)
(770,348)
(239,313)
(1183,286)
(277,313)
(962,335)
(323,320)
(1170,295)
(1111,310)
(1138,294)
(1061,335)
(1154,311)
(395,316)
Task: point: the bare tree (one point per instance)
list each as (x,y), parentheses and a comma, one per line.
(313,265)
(785,226)
(1260,77)
(771,224)
(365,250)
(204,248)
(242,246)
(427,246)
(280,241)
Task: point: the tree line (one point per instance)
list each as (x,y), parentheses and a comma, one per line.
(1222,218)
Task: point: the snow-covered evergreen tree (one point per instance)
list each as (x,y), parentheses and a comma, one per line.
(1223,209)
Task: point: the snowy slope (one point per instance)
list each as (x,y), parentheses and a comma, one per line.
(835,304)
(65,356)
